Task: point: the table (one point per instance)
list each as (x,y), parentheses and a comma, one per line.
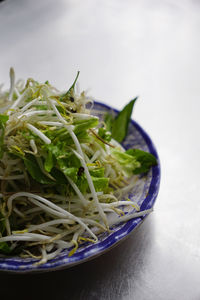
(123,49)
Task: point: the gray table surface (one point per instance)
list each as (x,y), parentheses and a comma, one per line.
(123,49)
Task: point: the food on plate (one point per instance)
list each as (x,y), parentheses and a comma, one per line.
(63,171)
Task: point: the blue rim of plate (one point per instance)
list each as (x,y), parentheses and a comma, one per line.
(19,265)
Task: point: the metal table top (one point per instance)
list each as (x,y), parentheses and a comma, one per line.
(123,49)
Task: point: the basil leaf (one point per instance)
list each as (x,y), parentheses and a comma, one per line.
(108,119)
(120,123)
(146,160)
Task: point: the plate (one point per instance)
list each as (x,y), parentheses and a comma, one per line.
(144,193)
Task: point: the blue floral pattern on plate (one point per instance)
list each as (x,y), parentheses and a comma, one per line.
(144,193)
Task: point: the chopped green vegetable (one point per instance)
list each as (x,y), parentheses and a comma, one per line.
(128,162)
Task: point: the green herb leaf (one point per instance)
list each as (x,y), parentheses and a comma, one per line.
(83,125)
(146,160)
(59,176)
(99,172)
(49,162)
(70,172)
(70,92)
(100,183)
(35,171)
(120,123)
(4,248)
(3,120)
(109,119)
(2,224)
(104,134)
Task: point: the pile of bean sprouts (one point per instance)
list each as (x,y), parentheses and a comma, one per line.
(41,222)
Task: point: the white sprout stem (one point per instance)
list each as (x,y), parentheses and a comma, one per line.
(55,253)
(57,112)
(17,92)
(34,237)
(19,213)
(52,205)
(29,104)
(40,164)
(77,154)
(107,171)
(130,216)
(46,209)
(93,222)
(47,224)
(36,112)
(49,247)
(14,185)
(41,135)
(33,210)
(25,237)
(12,161)
(108,196)
(44,256)
(78,192)
(116,204)
(77,233)
(86,159)
(12,84)
(12,177)
(53,229)
(125,189)
(78,146)
(90,182)
(7,223)
(17,102)
(49,123)
(33,146)
(82,116)
(95,156)
(73,198)
(88,149)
